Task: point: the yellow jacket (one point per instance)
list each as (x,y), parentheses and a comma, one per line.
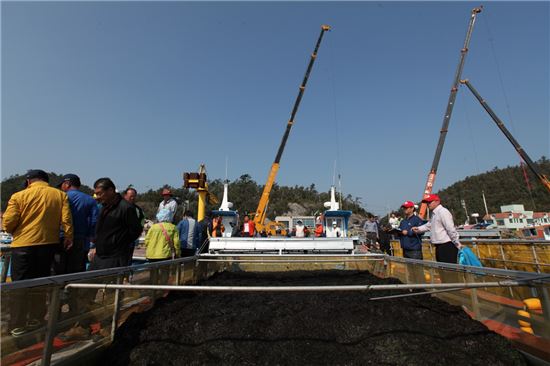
(156,243)
(35,215)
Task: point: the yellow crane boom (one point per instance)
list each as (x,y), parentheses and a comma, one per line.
(259,217)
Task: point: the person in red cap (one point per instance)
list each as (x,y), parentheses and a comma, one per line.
(168,203)
(442,229)
(411,242)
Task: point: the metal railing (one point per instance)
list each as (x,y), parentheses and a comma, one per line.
(122,282)
(535,257)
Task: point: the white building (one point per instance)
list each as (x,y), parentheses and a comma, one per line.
(515,217)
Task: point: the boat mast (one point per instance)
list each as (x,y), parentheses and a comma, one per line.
(519,149)
(449,111)
(259,217)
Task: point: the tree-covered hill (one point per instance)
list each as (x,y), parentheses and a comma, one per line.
(243,192)
(501,187)
(15,183)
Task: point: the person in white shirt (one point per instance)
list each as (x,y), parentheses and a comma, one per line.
(168,203)
(442,229)
(300,230)
(334,231)
(394,221)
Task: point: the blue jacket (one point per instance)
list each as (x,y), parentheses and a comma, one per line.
(183,229)
(411,241)
(84,211)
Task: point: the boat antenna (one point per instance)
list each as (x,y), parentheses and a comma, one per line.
(226,164)
(334,173)
(340,190)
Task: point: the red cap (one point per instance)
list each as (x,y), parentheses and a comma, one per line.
(430,198)
(407,204)
(166,192)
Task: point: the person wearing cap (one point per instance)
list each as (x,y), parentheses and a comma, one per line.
(168,203)
(442,229)
(334,231)
(33,216)
(411,242)
(84,212)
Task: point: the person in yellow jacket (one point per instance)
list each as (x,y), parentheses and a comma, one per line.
(34,216)
(162,241)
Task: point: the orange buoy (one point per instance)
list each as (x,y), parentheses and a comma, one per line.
(533,303)
(427,276)
(523,323)
(528,330)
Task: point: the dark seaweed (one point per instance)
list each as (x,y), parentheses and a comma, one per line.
(336,328)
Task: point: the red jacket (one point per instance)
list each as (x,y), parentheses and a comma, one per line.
(251,229)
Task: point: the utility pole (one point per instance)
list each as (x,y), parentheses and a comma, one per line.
(485,203)
(463,203)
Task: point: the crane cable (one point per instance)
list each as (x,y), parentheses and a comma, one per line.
(506,101)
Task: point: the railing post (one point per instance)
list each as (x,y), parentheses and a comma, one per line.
(473,296)
(116,308)
(544,295)
(535,257)
(503,256)
(474,243)
(51,327)
(178,273)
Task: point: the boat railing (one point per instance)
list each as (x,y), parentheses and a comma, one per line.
(104,299)
(508,254)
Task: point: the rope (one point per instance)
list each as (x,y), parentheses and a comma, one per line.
(506,101)
(499,73)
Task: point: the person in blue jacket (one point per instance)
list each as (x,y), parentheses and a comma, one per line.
(85,212)
(411,243)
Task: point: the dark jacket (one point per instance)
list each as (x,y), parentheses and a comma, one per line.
(411,241)
(117,228)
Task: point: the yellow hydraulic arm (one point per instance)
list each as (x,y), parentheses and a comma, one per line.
(198,181)
(259,217)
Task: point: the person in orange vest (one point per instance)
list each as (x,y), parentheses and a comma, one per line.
(319,229)
(217,227)
(247,228)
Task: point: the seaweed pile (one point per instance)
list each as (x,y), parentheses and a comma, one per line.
(336,328)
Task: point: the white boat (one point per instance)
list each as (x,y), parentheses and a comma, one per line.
(331,243)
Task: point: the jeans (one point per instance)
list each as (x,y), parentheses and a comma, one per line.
(412,254)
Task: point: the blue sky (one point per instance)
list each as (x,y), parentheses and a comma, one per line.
(144,91)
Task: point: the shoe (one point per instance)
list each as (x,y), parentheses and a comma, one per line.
(19,331)
(33,324)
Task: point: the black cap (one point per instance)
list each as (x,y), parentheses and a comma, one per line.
(71,178)
(37,174)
